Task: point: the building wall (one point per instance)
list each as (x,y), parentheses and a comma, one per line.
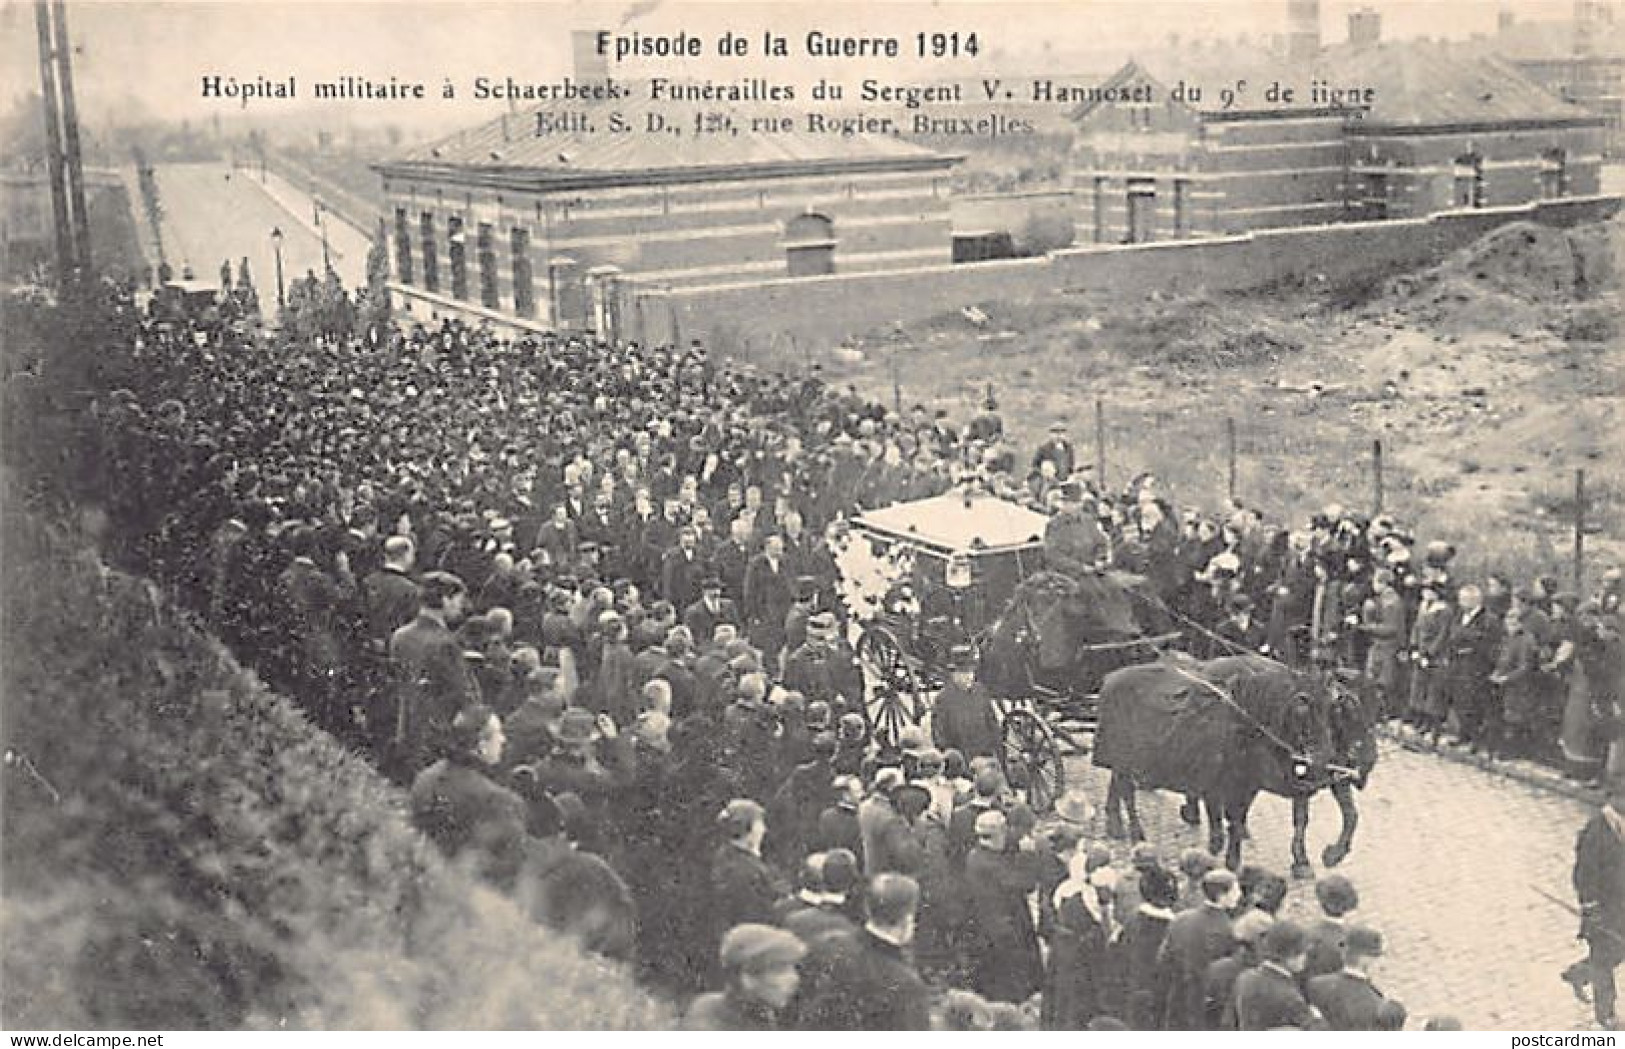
(1422,167)
(1237,175)
(786,323)
(1270,173)
(680,235)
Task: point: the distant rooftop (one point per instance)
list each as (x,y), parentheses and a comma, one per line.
(1416,83)
(509,146)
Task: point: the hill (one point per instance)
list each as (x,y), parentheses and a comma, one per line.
(183,850)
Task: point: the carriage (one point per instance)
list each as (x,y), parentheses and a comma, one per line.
(964,569)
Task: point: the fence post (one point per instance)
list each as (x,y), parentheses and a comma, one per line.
(1230,456)
(1376,477)
(1100,443)
(1579,530)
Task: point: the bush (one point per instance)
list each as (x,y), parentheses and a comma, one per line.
(182,849)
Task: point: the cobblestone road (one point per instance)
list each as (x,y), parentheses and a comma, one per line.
(1446,860)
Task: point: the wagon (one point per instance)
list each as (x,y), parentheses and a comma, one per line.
(941,571)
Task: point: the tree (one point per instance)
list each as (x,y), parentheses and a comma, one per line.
(225,277)
(375,301)
(246,293)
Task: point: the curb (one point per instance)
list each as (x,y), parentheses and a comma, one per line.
(1522,771)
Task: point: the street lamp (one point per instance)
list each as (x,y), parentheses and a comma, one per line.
(276,242)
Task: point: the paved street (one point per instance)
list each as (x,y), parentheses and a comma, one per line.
(212,213)
(1445,859)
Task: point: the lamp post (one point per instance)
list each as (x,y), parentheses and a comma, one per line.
(276,244)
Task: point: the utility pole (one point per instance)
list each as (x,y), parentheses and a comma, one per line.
(1579,531)
(53,146)
(70,131)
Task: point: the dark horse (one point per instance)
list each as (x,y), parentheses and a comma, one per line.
(1063,635)
(1222,731)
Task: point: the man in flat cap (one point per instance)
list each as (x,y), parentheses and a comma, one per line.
(759,966)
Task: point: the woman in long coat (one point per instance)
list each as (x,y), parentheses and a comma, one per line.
(1076,982)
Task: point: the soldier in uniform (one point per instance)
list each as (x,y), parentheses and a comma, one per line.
(1073,541)
(822,670)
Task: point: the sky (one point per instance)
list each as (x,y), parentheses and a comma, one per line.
(152,56)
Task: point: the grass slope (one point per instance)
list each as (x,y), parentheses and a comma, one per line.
(183,850)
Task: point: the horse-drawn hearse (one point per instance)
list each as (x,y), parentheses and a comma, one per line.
(1063,655)
(968,569)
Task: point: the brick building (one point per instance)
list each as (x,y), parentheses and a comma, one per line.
(566,231)
(1371,130)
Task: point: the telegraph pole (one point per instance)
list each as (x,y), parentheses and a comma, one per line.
(70,129)
(53,146)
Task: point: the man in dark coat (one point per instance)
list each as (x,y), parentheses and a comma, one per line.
(820,907)
(1347,998)
(1057,450)
(433,681)
(1599,884)
(759,966)
(389,595)
(796,805)
(963,718)
(472,819)
(864,981)
(1196,938)
(768,597)
(681,570)
(742,887)
(1000,944)
(1327,936)
(703,616)
(1267,997)
(1073,541)
(1474,636)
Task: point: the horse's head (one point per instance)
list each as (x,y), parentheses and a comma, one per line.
(1354,741)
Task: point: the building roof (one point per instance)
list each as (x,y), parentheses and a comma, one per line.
(1420,84)
(954,524)
(508,146)
(1416,84)
(1553,40)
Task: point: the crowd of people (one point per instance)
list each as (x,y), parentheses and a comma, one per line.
(586,595)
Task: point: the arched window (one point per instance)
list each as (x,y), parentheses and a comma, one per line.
(809,245)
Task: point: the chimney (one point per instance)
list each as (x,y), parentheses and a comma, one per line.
(1365,29)
(1504,21)
(590,67)
(1302,29)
